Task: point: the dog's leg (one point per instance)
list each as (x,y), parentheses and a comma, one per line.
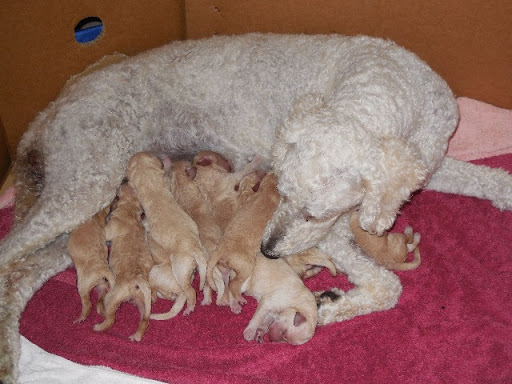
(19,280)
(463,178)
(376,288)
(51,216)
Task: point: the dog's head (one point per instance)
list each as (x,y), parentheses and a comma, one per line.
(318,181)
(327,164)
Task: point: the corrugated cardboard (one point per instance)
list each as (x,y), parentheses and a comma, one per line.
(39,51)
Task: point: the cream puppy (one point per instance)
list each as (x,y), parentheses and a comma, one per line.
(130,261)
(173,235)
(88,250)
(390,249)
(286,310)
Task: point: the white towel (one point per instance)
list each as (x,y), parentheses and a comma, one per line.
(40,367)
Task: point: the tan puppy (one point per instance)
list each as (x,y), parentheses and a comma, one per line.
(219,185)
(286,310)
(130,261)
(173,235)
(88,249)
(189,197)
(241,240)
(390,249)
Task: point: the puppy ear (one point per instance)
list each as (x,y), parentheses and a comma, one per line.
(396,172)
(191,172)
(299,319)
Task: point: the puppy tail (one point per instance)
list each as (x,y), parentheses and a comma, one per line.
(464,178)
(175,309)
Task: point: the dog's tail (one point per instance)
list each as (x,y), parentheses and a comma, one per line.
(29,174)
(467,179)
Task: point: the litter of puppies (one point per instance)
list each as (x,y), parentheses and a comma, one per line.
(173,219)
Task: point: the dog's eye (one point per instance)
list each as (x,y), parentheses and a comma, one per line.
(307,216)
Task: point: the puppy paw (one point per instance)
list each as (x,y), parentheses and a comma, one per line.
(235,307)
(188,311)
(249,333)
(135,337)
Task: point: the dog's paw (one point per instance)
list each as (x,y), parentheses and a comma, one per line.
(375,224)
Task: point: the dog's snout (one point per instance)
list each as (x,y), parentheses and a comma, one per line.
(268,249)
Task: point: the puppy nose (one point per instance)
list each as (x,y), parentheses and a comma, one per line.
(268,252)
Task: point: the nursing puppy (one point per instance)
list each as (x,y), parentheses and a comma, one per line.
(88,250)
(130,262)
(241,239)
(173,236)
(390,249)
(219,184)
(188,195)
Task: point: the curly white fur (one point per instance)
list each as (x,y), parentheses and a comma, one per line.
(356,121)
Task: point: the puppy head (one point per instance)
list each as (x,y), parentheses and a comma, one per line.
(183,168)
(210,158)
(140,164)
(293,326)
(126,194)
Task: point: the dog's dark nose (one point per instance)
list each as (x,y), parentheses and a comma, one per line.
(268,252)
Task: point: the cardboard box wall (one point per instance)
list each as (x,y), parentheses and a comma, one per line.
(467,42)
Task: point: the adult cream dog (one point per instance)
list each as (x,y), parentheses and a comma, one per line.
(343,121)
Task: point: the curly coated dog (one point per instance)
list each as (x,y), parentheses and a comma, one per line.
(343,121)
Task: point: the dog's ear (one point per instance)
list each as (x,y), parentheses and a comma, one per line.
(299,319)
(396,171)
(293,126)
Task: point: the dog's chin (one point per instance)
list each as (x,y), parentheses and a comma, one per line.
(274,249)
(292,240)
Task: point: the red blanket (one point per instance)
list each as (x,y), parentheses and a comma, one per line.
(452,324)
